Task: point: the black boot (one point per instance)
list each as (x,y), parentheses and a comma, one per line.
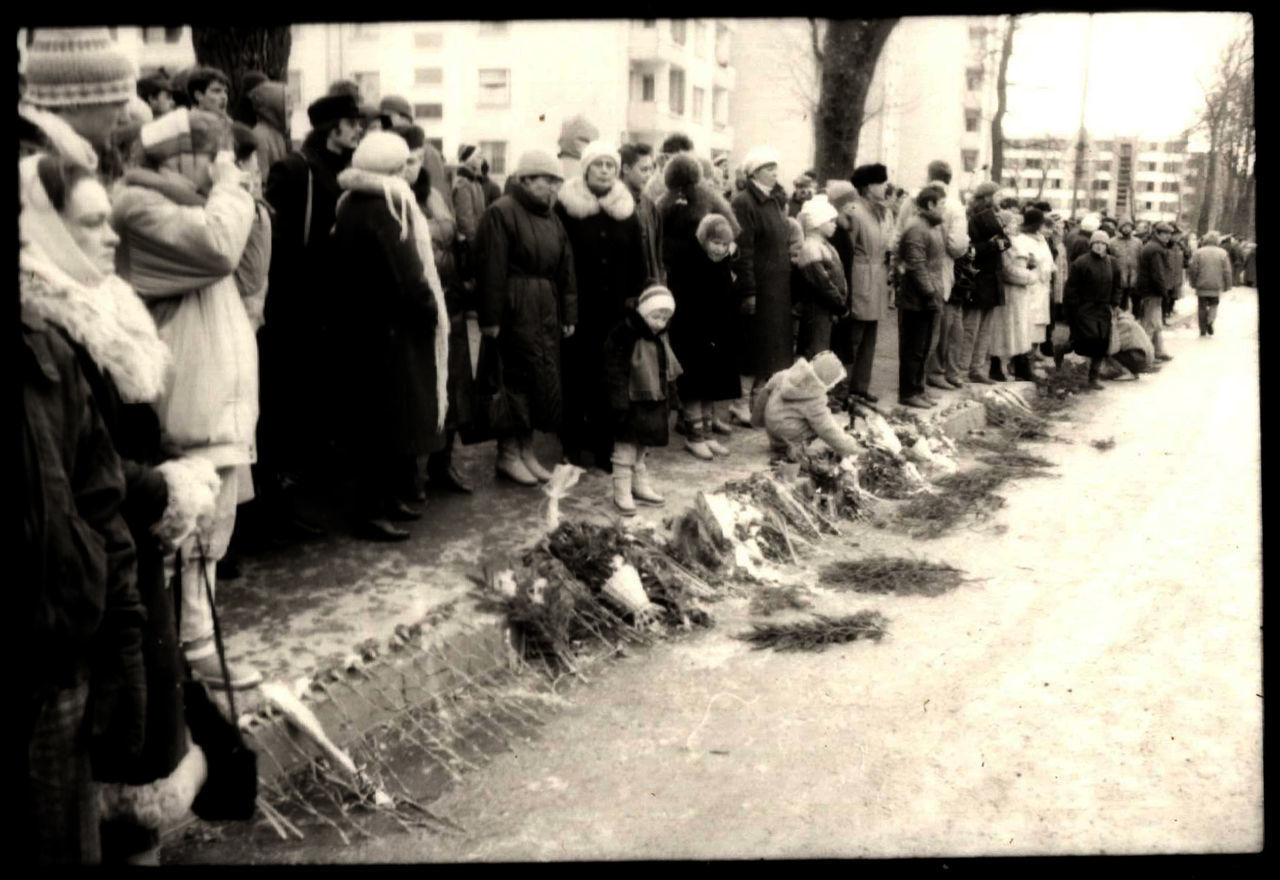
(442,473)
(1021,368)
(997,371)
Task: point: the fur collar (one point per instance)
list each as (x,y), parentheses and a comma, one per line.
(579,201)
(109,320)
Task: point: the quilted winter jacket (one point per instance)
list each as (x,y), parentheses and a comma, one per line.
(922,251)
(1126,251)
(181,254)
(796,411)
(1210,271)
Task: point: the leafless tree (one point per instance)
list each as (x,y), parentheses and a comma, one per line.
(1227,118)
(849,51)
(1002,99)
(237,50)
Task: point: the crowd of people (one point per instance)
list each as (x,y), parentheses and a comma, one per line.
(214,317)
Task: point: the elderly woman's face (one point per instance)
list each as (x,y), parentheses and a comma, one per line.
(542,187)
(766,175)
(87,218)
(602,173)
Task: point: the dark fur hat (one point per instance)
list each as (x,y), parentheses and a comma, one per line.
(865,175)
(682,171)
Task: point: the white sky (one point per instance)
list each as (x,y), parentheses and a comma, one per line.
(1142,76)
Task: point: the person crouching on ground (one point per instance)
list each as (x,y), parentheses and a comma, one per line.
(822,275)
(1210,275)
(704,334)
(922,250)
(185,223)
(641,370)
(1093,292)
(793,406)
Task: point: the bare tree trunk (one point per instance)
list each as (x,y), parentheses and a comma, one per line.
(237,50)
(1002,102)
(1208,191)
(851,48)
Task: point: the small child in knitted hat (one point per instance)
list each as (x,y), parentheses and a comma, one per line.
(640,371)
(824,292)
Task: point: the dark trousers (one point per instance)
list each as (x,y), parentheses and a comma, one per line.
(915,331)
(815,330)
(854,342)
(1207,313)
(57,814)
(380,483)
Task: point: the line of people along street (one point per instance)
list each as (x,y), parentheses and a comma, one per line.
(217,321)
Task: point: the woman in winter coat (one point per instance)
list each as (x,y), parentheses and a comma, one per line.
(1210,275)
(696,249)
(443,228)
(397,330)
(1093,292)
(1011,333)
(764,270)
(1031,239)
(871,233)
(67,277)
(793,406)
(185,222)
(527,299)
(598,212)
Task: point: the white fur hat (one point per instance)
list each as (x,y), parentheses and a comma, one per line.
(381,152)
(757,158)
(1090,223)
(828,368)
(599,150)
(654,298)
(815,212)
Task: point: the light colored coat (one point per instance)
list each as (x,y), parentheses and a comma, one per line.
(1210,270)
(181,257)
(872,234)
(795,411)
(1011,334)
(1040,290)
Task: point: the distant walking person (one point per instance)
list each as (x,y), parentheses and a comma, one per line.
(1210,275)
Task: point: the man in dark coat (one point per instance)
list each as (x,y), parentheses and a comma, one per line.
(598,212)
(492,192)
(988,240)
(1155,281)
(527,299)
(294,344)
(920,296)
(79,607)
(1092,293)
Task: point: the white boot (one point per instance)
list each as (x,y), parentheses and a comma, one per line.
(642,490)
(622,489)
(510,465)
(531,461)
(712,443)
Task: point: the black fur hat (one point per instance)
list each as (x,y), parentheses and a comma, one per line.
(682,171)
(865,175)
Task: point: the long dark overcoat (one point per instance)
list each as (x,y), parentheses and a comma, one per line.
(984,232)
(764,271)
(525,285)
(1093,287)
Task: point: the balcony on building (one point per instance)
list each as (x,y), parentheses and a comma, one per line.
(652,41)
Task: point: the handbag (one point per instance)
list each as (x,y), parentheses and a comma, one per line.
(230,790)
(493,410)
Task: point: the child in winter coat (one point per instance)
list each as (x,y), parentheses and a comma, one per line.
(793,408)
(825,288)
(641,370)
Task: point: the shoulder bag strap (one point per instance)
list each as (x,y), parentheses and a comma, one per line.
(217,632)
(306,224)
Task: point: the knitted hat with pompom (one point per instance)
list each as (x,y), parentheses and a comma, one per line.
(654,298)
(77,67)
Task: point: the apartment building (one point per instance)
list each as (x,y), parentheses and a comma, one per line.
(932,96)
(1122,176)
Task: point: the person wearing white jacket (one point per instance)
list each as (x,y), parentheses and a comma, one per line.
(185,221)
(1031,240)
(1011,334)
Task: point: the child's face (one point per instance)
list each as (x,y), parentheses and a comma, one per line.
(717,250)
(658,319)
(828,229)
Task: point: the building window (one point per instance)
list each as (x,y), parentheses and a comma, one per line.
(678,31)
(971,119)
(699,99)
(720,108)
(1148,205)
(1099,204)
(970,159)
(1055,183)
(428,40)
(722,45)
(1102,164)
(1148,186)
(1149,166)
(1153,147)
(1034,163)
(700,38)
(493,28)
(1011,181)
(364,32)
(496,153)
(495,87)
(295,87)
(1175,147)
(1105,146)
(1101,185)
(1169,186)
(428,76)
(650,23)
(648,88)
(973,79)
(151,35)
(368,83)
(1028,182)
(675,91)
(428,111)
(1172,167)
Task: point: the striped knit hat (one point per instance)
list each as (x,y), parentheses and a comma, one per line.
(74,67)
(654,298)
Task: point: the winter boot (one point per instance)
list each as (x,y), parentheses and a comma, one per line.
(530,460)
(712,443)
(696,442)
(622,489)
(511,465)
(642,489)
(201,655)
(997,370)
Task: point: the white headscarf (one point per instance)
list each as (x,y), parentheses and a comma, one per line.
(99,311)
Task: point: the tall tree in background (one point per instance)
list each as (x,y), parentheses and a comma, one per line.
(848,56)
(1227,118)
(1002,100)
(237,50)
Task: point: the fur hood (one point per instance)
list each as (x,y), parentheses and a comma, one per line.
(109,320)
(799,382)
(268,101)
(580,202)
